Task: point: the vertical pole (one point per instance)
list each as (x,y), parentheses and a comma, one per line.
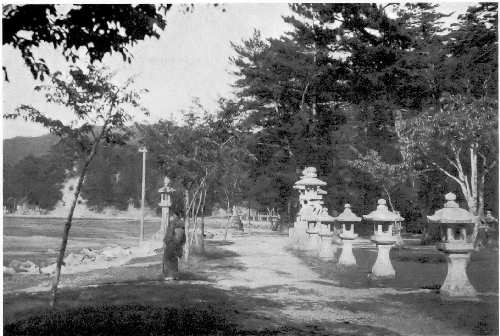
(143,151)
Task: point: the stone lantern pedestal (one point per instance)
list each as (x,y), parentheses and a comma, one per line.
(236,222)
(457,247)
(457,284)
(383,267)
(313,239)
(347,218)
(326,250)
(347,257)
(384,239)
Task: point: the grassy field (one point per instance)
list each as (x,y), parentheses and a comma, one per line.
(38,238)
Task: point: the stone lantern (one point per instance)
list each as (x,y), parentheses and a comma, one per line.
(165,203)
(236,222)
(348,219)
(311,198)
(457,245)
(383,237)
(325,235)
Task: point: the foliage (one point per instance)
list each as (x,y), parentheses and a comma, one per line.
(99,29)
(385,175)
(35,181)
(349,76)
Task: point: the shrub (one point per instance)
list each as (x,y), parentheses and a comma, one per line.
(123,320)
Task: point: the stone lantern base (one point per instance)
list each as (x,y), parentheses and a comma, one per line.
(346,256)
(312,242)
(326,250)
(383,267)
(298,236)
(457,286)
(236,223)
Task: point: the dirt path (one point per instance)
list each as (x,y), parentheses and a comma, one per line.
(260,284)
(266,269)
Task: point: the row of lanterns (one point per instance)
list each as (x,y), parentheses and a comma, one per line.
(313,230)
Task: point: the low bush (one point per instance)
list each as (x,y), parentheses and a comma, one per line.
(123,320)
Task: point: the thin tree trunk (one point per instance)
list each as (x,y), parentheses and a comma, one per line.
(228,215)
(480,196)
(67,225)
(186,224)
(388,197)
(473,177)
(202,246)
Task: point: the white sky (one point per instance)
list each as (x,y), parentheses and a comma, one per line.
(191,59)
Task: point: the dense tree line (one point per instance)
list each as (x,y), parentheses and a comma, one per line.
(349,87)
(366,93)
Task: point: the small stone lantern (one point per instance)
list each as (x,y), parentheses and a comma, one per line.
(383,237)
(325,248)
(236,222)
(457,246)
(165,203)
(347,218)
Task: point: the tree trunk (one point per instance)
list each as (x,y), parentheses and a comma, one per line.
(186,225)
(67,225)
(480,196)
(473,178)
(202,246)
(388,197)
(228,211)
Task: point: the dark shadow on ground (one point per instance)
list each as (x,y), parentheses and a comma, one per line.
(479,318)
(158,308)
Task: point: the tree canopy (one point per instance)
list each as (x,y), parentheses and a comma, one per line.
(99,29)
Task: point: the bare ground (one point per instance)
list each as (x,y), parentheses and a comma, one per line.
(259,284)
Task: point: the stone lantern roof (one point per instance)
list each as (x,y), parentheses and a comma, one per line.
(452,213)
(310,215)
(323,216)
(382,214)
(166,187)
(309,178)
(322,192)
(347,215)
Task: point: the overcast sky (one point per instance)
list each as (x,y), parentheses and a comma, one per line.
(191,59)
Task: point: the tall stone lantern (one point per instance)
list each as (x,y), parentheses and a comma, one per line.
(304,233)
(165,203)
(348,219)
(383,221)
(457,245)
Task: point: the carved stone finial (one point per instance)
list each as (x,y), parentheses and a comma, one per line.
(310,172)
(450,200)
(450,196)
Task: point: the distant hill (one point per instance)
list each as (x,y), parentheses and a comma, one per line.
(15,149)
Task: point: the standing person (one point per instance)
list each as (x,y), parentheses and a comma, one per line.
(175,239)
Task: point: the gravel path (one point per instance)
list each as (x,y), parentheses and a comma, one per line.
(269,271)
